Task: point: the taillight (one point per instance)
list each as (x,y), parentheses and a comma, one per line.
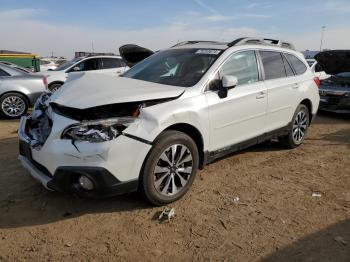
(45,80)
(317,81)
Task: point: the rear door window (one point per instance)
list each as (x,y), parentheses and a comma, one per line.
(3,73)
(299,67)
(273,65)
(111,63)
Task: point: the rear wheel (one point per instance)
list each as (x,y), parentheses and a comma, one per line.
(298,128)
(55,86)
(170,168)
(13,105)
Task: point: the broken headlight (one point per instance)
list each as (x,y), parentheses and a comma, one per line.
(99,130)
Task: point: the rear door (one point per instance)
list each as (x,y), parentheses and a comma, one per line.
(282,85)
(241,115)
(112,65)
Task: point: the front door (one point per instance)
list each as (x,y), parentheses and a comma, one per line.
(241,115)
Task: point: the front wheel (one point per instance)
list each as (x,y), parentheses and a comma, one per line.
(13,105)
(298,128)
(170,168)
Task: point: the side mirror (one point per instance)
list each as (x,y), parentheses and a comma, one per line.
(227,82)
(76,68)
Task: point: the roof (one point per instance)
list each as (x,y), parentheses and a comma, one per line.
(237,42)
(18,55)
(12,52)
(110,56)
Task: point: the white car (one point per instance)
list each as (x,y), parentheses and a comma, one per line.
(97,64)
(170,114)
(50,63)
(317,69)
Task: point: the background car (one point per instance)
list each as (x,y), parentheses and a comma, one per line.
(317,69)
(98,64)
(23,69)
(18,90)
(335,90)
(50,63)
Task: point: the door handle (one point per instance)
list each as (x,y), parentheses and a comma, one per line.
(261,95)
(295,86)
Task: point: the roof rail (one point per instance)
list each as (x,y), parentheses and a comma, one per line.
(196,42)
(261,41)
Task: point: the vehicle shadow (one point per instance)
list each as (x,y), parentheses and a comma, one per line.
(329,244)
(325,117)
(24,202)
(340,137)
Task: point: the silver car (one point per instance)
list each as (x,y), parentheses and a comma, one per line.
(18,90)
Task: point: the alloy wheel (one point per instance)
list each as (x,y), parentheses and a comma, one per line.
(173,170)
(13,106)
(299,127)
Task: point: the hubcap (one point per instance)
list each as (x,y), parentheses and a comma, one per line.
(299,127)
(13,106)
(173,170)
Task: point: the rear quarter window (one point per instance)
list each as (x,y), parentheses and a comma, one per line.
(108,63)
(297,64)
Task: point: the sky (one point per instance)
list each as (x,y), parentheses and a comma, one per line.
(63,27)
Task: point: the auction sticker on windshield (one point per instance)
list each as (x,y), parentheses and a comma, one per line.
(208,51)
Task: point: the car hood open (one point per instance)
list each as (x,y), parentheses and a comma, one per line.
(91,90)
(334,61)
(132,54)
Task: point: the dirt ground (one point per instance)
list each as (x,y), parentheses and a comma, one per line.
(275,219)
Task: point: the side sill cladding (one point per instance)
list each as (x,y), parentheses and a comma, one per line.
(210,157)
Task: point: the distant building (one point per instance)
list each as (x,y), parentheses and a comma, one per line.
(80,54)
(310,54)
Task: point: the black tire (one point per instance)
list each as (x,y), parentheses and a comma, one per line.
(167,139)
(22,104)
(300,122)
(53,87)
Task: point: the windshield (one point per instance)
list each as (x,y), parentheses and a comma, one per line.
(67,64)
(177,67)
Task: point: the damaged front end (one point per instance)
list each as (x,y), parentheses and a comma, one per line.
(102,123)
(39,124)
(95,125)
(99,130)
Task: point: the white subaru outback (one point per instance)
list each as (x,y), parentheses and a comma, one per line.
(170,114)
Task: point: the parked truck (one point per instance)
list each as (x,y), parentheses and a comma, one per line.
(26,60)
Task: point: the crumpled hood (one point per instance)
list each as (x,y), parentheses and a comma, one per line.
(86,90)
(334,61)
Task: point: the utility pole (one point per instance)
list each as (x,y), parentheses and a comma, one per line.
(92,46)
(322,35)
